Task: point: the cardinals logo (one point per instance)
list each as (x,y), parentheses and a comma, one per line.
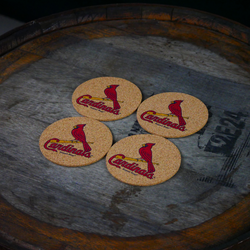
(145,167)
(78,133)
(146,154)
(176,112)
(111,96)
(175,108)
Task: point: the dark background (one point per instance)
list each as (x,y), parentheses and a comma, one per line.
(27,10)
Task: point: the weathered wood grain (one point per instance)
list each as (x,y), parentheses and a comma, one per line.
(86,208)
(173,14)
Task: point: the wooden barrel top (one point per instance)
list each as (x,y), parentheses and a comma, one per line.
(160,49)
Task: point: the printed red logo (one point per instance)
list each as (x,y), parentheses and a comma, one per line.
(120,160)
(111,96)
(58,145)
(176,111)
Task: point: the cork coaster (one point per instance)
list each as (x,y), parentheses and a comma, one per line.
(75,141)
(106,98)
(143,160)
(172,114)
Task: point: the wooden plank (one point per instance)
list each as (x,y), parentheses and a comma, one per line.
(18,36)
(233,50)
(132,11)
(161,13)
(124,12)
(17,61)
(60,20)
(41,41)
(90,14)
(52,207)
(216,23)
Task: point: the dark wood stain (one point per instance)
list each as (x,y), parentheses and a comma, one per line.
(41,39)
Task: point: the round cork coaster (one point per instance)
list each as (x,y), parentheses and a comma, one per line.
(106,98)
(143,160)
(172,114)
(75,141)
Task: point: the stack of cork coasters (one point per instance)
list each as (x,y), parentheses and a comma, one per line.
(80,141)
(143,160)
(146,160)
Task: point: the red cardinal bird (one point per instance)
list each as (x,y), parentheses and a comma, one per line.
(110,92)
(79,135)
(146,154)
(175,108)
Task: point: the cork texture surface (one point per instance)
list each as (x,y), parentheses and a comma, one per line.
(143,160)
(172,114)
(106,98)
(75,141)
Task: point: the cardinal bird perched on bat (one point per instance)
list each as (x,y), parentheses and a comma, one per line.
(110,92)
(79,135)
(175,109)
(146,154)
